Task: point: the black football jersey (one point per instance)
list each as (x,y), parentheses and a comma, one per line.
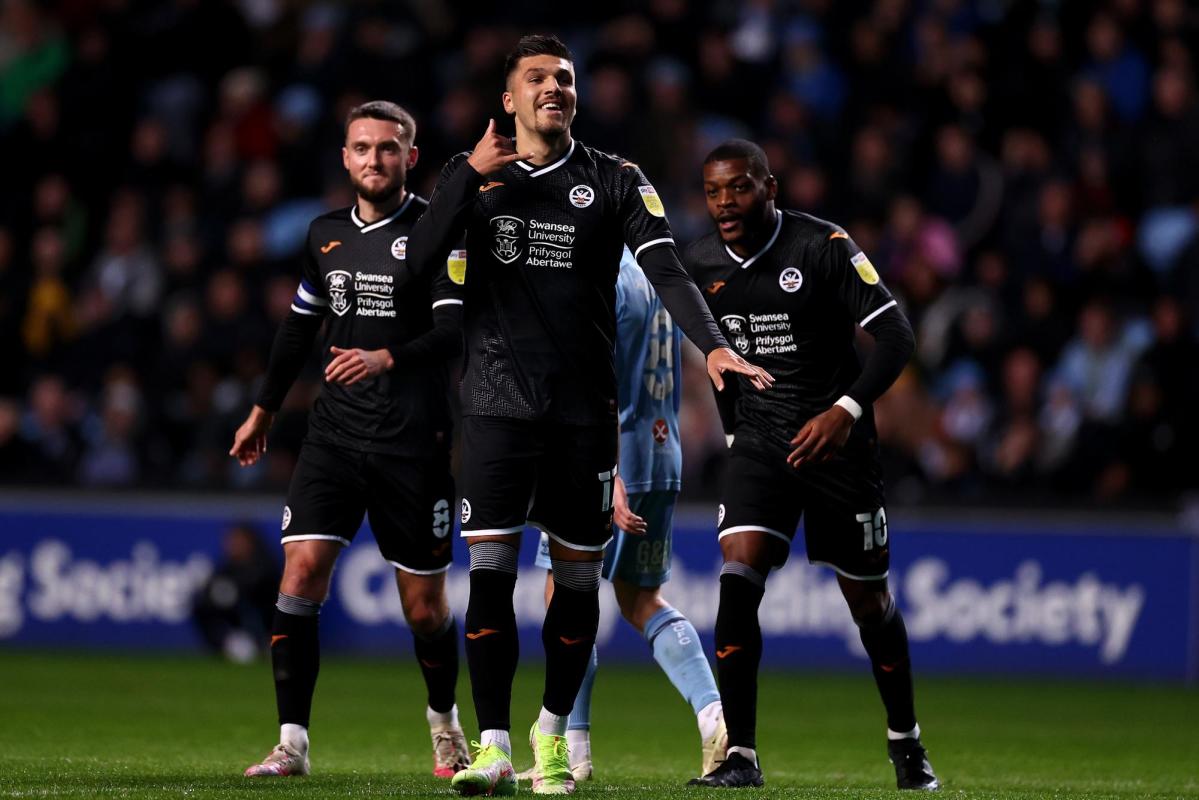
(792,308)
(545,245)
(354,276)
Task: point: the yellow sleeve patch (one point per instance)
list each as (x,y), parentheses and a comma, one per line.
(653,203)
(455,265)
(865,269)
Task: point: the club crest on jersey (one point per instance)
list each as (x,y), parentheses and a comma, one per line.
(465,511)
(286,517)
(399,248)
(720,515)
(507,232)
(581,196)
(441,518)
(338,283)
(790,280)
(661,431)
(865,269)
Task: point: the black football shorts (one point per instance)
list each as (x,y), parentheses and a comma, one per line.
(409,502)
(556,477)
(840,501)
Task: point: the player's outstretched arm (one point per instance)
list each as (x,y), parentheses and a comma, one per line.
(682,299)
(436,232)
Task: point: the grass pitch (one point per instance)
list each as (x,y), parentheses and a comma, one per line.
(84,726)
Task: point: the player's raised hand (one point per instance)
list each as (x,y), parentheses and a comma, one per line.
(723,359)
(494,152)
(622,515)
(352,365)
(249,443)
(821,438)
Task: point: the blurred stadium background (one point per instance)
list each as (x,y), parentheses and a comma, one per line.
(1025,175)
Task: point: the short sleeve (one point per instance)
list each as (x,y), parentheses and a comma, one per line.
(642,213)
(855,280)
(310,298)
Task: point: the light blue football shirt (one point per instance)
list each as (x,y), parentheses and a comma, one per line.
(650,376)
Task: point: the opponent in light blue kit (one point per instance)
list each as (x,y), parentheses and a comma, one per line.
(637,561)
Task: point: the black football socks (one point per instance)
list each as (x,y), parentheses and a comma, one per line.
(295,657)
(886,642)
(568,633)
(739,649)
(437,655)
(492,648)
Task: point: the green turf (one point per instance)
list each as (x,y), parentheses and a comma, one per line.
(125,726)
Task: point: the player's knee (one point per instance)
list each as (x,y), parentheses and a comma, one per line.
(871,609)
(425,618)
(305,575)
(754,549)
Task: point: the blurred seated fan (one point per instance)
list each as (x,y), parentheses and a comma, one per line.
(234,607)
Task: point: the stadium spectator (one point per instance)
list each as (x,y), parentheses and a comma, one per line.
(233,609)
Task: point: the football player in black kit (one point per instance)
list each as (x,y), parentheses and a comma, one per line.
(790,290)
(379,432)
(545,219)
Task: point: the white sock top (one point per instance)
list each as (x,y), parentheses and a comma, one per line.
(894,736)
(438,719)
(552,724)
(747,752)
(498,738)
(294,736)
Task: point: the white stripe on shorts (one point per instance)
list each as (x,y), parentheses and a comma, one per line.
(564,543)
(412,571)
(852,577)
(315,537)
(744,528)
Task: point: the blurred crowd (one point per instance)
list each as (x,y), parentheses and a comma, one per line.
(1025,175)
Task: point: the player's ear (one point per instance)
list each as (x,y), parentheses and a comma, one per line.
(772,187)
(345,158)
(413,155)
(509,106)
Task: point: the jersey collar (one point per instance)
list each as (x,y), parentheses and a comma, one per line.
(778,226)
(534,170)
(364,228)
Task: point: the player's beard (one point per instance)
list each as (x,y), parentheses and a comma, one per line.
(377,196)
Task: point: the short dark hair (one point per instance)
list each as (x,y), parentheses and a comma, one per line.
(732,149)
(385,110)
(535,44)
